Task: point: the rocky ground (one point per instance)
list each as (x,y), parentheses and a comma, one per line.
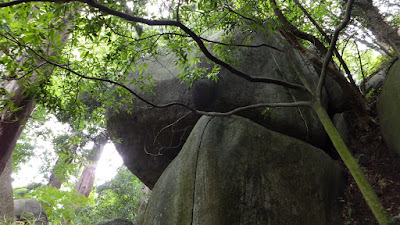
(382,169)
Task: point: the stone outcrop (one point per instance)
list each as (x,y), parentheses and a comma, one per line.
(389,110)
(30,211)
(151,137)
(340,120)
(233,171)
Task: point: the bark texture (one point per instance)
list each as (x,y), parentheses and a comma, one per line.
(371,18)
(11,123)
(86,180)
(6,194)
(54,180)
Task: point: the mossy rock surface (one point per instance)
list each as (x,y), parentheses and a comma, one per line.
(389,109)
(233,171)
(152,137)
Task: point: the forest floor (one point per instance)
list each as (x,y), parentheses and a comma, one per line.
(382,169)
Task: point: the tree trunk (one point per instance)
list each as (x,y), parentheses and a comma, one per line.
(86,180)
(362,182)
(6,195)
(11,123)
(54,180)
(370,17)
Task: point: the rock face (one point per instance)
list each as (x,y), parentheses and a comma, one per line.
(340,120)
(117,221)
(376,80)
(151,138)
(30,210)
(233,171)
(389,110)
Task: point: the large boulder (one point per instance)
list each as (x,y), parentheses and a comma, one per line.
(30,211)
(152,137)
(389,109)
(233,171)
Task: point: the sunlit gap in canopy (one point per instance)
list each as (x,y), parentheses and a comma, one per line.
(156,9)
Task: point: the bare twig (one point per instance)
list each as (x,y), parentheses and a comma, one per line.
(362,70)
(171,125)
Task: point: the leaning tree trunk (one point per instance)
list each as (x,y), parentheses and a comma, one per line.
(86,180)
(12,122)
(369,15)
(6,195)
(54,180)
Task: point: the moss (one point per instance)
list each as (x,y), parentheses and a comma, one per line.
(389,109)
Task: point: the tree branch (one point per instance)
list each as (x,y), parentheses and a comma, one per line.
(292,29)
(179,25)
(187,36)
(361,68)
(327,38)
(328,55)
(197,39)
(239,109)
(234,12)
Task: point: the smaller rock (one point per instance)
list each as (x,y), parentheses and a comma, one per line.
(341,123)
(116,221)
(30,211)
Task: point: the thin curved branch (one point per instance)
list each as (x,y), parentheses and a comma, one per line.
(179,25)
(187,36)
(363,88)
(239,109)
(328,39)
(26,74)
(234,12)
(241,45)
(329,54)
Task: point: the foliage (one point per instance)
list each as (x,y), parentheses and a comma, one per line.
(76,59)
(60,205)
(117,198)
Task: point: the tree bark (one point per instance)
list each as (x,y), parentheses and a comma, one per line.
(11,124)
(6,195)
(370,17)
(357,101)
(54,180)
(86,180)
